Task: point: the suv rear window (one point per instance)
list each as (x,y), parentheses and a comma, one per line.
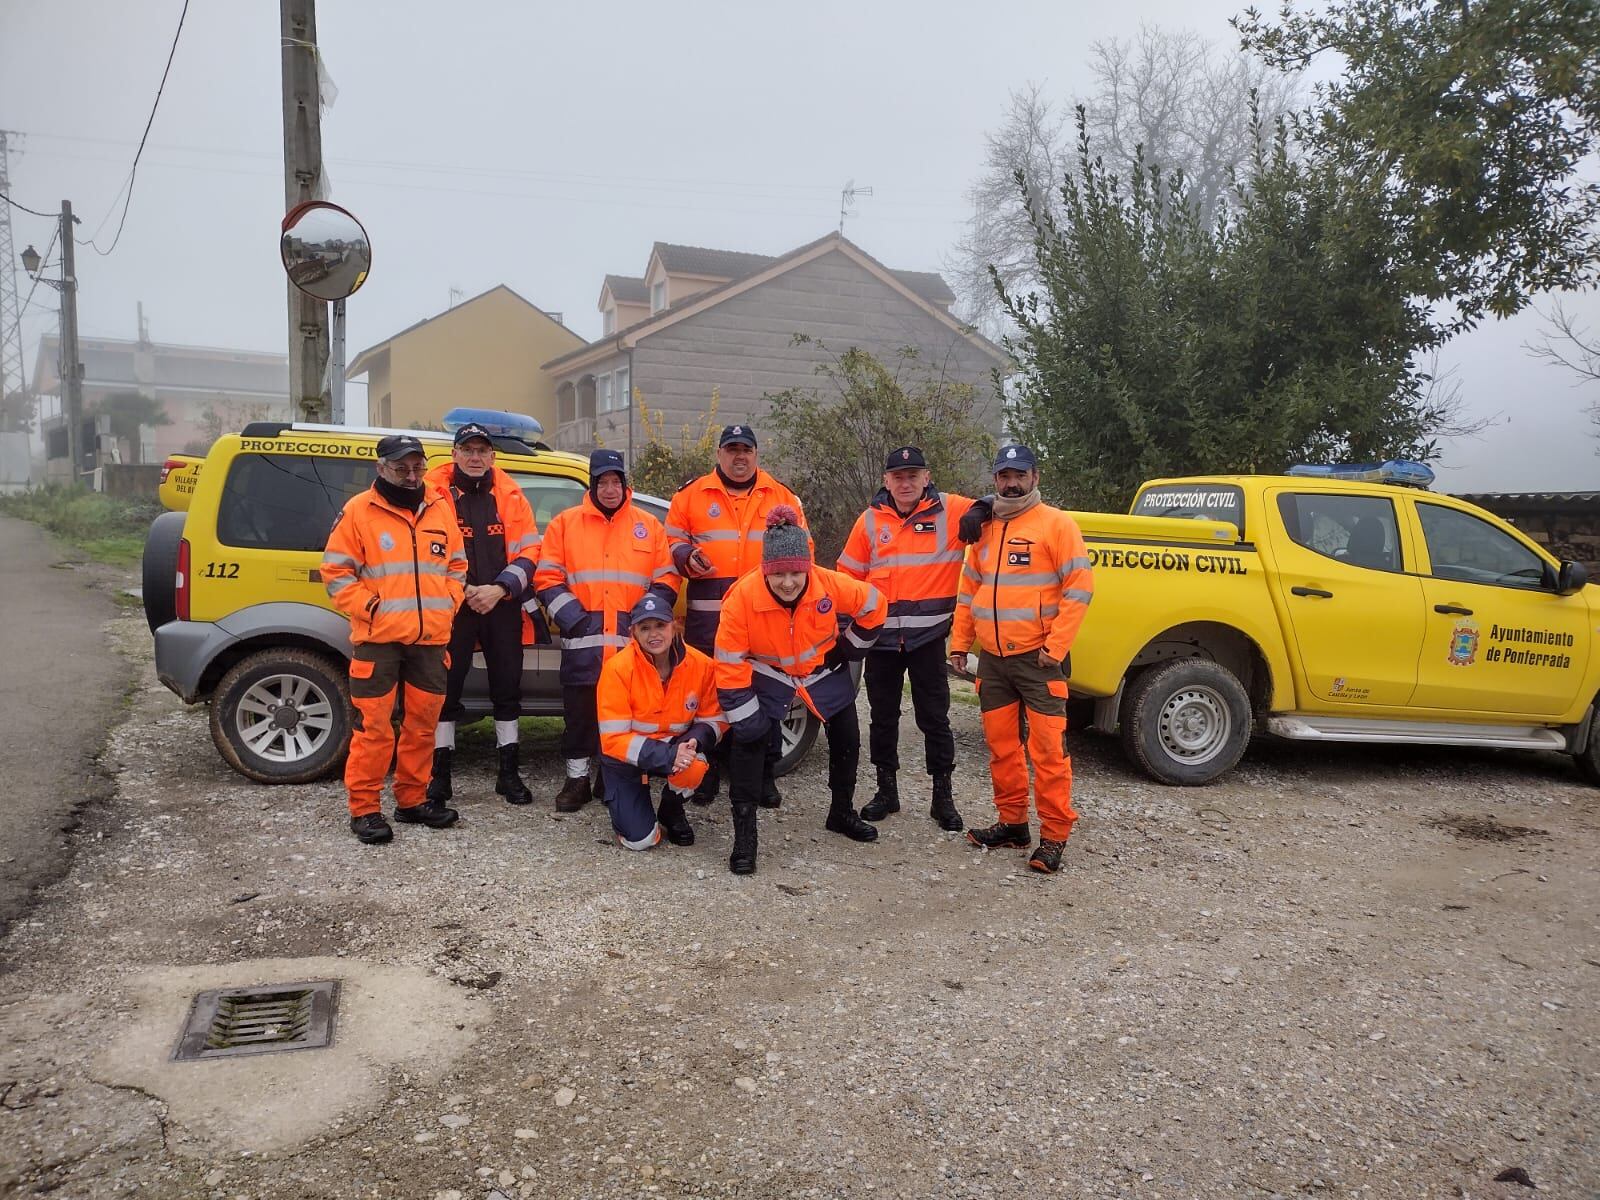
(1194,501)
(287,501)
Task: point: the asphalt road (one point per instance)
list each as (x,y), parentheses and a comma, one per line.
(60,688)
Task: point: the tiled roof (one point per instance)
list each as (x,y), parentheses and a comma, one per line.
(1490,500)
(628,289)
(927,284)
(716,264)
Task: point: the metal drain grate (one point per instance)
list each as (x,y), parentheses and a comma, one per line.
(232,1021)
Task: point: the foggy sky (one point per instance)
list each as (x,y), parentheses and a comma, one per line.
(544,146)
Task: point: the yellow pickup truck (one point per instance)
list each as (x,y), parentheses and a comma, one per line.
(1327,608)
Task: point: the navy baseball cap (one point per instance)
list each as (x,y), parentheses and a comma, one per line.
(1014,458)
(904,458)
(737,433)
(603,461)
(650,607)
(470,431)
(397,445)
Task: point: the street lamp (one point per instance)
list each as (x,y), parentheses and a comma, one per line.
(71,367)
(30,261)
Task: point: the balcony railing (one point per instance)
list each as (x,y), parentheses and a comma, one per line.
(576,435)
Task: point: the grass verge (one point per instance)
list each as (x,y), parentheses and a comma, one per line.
(107,529)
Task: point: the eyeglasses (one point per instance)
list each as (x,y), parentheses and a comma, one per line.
(405,472)
(474,451)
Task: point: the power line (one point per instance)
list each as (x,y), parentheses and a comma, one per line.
(25,208)
(128,200)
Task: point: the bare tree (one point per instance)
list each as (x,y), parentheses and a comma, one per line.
(1573,346)
(1172,95)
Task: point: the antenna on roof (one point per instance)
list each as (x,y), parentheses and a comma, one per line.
(456,295)
(847,199)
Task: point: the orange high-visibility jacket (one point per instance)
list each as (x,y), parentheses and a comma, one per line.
(399,576)
(517,527)
(592,569)
(729,529)
(915,561)
(766,652)
(1025,585)
(642,722)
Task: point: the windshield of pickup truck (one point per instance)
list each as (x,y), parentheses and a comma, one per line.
(1193,501)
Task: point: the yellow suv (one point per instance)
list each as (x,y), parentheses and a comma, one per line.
(234,597)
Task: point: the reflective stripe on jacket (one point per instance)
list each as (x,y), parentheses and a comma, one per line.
(642,722)
(915,561)
(766,652)
(729,529)
(592,569)
(398,576)
(1025,584)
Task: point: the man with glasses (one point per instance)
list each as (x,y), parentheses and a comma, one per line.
(502,542)
(395,565)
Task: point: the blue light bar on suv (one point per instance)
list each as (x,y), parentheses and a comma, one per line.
(1398,471)
(498,422)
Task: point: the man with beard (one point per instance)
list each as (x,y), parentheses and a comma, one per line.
(502,542)
(715,526)
(599,557)
(1025,587)
(908,545)
(395,565)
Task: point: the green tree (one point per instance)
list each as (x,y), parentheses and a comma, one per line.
(829,444)
(128,411)
(1469,120)
(661,467)
(1160,345)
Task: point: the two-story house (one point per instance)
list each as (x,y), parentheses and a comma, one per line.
(700,320)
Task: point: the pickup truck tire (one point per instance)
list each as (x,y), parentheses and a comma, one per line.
(800,728)
(282,716)
(159,570)
(1589,761)
(1185,722)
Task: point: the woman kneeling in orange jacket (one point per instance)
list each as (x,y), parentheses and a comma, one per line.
(658,712)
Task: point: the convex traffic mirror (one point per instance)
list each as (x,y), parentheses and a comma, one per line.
(325,250)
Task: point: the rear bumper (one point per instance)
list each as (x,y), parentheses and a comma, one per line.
(183,651)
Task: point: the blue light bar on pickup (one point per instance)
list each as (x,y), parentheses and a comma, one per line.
(1398,471)
(498,422)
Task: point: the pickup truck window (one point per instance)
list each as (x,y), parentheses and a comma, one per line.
(548,494)
(1358,530)
(1193,501)
(1464,548)
(286,501)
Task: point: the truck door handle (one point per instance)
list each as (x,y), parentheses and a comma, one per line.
(1453,609)
(1305,591)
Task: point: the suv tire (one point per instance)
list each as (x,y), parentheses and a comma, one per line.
(159,570)
(800,729)
(256,742)
(1185,722)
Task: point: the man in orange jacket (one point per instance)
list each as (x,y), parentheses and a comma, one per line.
(714,526)
(780,636)
(1025,587)
(658,716)
(502,542)
(598,558)
(908,546)
(395,565)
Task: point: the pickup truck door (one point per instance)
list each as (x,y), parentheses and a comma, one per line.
(1498,638)
(1355,612)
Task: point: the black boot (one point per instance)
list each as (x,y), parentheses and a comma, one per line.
(509,784)
(439,785)
(887,798)
(944,806)
(670,817)
(743,859)
(843,818)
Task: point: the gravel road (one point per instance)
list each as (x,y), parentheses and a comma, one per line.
(1340,972)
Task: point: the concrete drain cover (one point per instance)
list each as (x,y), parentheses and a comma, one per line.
(231,1021)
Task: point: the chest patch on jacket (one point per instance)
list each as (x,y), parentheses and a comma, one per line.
(922,527)
(436,549)
(1019,558)
(825,604)
(386,540)
(691,702)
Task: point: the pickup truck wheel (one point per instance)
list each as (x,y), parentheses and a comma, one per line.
(158,573)
(1589,761)
(800,730)
(1186,722)
(282,716)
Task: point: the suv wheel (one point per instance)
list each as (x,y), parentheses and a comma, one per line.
(1186,722)
(282,716)
(800,729)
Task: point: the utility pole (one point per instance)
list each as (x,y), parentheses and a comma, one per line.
(71,360)
(302,181)
(13,371)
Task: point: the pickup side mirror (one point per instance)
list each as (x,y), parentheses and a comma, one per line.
(1571,577)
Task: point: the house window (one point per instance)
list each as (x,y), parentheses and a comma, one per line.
(621,393)
(658,295)
(609,322)
(602,394)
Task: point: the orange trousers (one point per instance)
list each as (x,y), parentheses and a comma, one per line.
(378,670)
(1019,698)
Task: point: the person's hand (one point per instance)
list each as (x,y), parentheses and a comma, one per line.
(958,662)
(1048,663)
(483,598)
(970,528)
(698,565)
(684,756)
